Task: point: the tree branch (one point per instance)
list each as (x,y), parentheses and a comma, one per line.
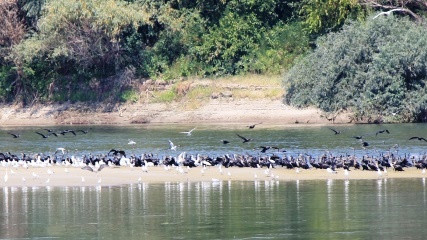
(392,8)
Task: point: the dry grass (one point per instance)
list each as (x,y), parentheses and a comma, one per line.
(251,80)
(193,93)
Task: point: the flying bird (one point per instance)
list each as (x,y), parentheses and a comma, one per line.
(264,148)
(382,131)
(335,131)
(358,137)
(364,144)
(245,140)
(115,152)
(68,131)
(172,146)
(41,134)
(14,135)
(60,150)
(253,126)
(278,149)
(189,132)
(53,133)
(418,138)
(389,12)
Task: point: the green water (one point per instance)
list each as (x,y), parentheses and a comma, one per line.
(359,209)
(207,139)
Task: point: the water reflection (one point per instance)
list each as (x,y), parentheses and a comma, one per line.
(330,209)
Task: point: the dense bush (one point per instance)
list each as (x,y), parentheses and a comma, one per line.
(373,69)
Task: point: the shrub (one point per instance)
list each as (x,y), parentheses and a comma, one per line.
(129,96)
(377,68)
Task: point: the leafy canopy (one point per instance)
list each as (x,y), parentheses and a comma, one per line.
(376,68)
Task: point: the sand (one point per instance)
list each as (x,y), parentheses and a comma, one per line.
(115,176)
(215,111)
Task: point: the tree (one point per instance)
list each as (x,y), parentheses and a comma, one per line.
(372,69)
(322,16)
(12,29)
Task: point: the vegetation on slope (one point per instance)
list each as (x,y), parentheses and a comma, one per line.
(96,50)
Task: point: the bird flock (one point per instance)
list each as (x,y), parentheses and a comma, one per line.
(182,162)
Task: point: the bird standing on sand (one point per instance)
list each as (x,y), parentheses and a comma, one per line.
(189,132)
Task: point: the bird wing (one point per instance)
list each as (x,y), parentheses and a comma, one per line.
(73,132)
(335,131)
(245,139)
(54,134)
(421,138)
(41,134)
(114,151)
(171,144)
(412,138)
(122,153)
(14,135)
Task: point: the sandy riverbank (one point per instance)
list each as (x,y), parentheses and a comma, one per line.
(269,112)
(124,175)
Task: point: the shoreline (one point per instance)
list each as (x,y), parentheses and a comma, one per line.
(117,176)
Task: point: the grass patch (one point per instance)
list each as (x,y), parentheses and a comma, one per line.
(130,95)
(199,92)
(252,80)
(165,96)
(197,96)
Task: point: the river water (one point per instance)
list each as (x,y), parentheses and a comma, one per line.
(331,209)
(314,140)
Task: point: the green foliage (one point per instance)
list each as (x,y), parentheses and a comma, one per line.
(377,68)
(225,45)
(84,34)
(280,47)
(166,96)
(324,15)
(129,95)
